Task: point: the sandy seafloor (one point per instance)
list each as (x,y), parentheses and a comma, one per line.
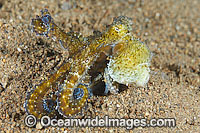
(170,28)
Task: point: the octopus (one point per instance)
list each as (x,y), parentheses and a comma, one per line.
(110,59)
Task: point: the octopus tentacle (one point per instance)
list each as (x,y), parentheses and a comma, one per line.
(72,101)
(84,60)
(72,95)
(34,99)
(45,25)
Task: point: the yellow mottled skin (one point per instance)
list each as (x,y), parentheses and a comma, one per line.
(128,56)
(131,64)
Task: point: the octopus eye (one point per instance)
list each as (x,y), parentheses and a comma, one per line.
(78,93)
(117,29)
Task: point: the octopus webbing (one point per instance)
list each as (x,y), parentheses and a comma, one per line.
(113,57)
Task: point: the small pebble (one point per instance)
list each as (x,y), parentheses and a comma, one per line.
(39,126)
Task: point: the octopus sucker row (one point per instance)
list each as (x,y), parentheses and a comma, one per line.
(110,58)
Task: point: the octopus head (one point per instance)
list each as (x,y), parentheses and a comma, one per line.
(120,27)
